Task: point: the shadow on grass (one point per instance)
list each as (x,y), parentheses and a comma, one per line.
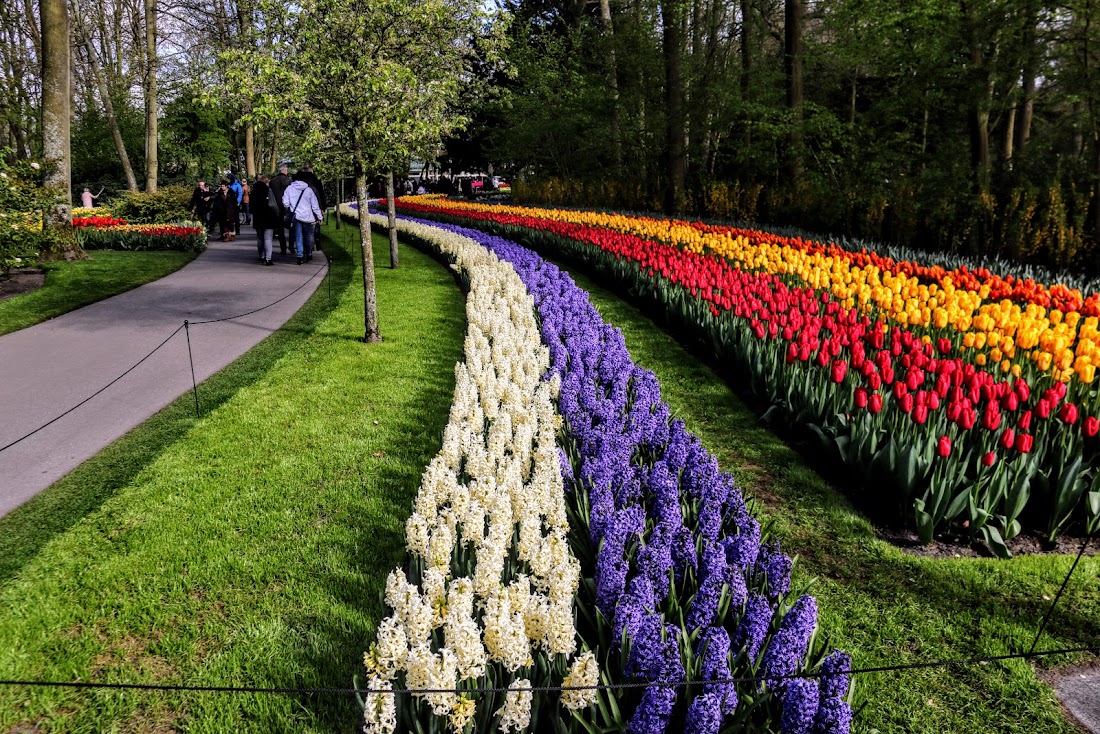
(30,527)
(335,659)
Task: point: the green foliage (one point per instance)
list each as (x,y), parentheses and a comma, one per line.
(168,204)
(95,161)
(22,201)
(194,139)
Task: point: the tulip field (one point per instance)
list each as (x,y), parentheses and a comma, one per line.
(957,397)
(571,533)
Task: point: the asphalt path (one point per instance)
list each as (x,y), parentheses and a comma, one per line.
(1079,692)
(51,367)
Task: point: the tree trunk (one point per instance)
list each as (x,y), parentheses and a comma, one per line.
(674,104)
(1010,135)
(274,165)
(980,102)
(612,83)
(792,67)
(339,200)
(370,297)
(150,95)
(391,215)
(112,121)
(746,49)
(56,114)
(250,152)
(1030,70)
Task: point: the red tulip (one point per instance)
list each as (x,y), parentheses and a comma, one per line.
(989,458)
(968,418)
(1022,390)
(906,403)
(861,398)
(933,401)
(1011,401)
(840,369)
(1024,442)
(1008,438)
(1068,412)
(1042,409)
(991,418)
(875,404)
(944,345)
(943,447)
(874,381)
(1091,426)
(920,414)
(1025,420)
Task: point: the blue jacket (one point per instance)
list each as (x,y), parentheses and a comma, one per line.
(236,186)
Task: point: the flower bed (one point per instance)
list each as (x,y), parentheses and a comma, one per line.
(107,233)
(677,583)
(960,445)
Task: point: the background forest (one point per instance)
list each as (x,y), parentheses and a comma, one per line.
(963,125)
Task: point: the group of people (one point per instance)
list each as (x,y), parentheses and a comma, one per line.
(275,207)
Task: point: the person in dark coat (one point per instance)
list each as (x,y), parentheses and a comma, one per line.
(265,217)
(278,185)
(200,204)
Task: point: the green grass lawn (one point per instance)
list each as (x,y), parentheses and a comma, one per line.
(70,285)
(248,547)
(882,605)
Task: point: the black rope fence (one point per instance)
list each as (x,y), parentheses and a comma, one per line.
(185,326)
(484,690)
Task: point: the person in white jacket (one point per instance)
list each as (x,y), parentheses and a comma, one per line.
(301,202)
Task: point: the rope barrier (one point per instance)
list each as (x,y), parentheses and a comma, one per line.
(184,326)
(540,689)
(97,392)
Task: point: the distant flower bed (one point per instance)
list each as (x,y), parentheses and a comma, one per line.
(107,233)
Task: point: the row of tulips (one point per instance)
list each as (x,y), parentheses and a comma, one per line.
(1010,324)
(107,233)
(963,447)
(487,594)
(678,584)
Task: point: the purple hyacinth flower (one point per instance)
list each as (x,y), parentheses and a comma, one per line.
(776,567)
(654,711)
(754,627)
(800,702)
(713,573)
(788,646)
(704,715)
(714,644)
(834,674)
(834,716)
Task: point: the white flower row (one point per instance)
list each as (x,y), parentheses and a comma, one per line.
(489,522)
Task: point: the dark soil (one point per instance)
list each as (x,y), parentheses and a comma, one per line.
(1028,543)
(20,281)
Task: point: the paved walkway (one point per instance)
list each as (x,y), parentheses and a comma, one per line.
(49,368)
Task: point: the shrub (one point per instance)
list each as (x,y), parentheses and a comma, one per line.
(22,200)
(167,204)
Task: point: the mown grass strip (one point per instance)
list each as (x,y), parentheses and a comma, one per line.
(881,605)
(72,285)
(249,546)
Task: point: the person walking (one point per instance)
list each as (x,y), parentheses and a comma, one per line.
(302,203)
(246,205)
(235,187)
(200,204)
(310,178)
(278,185)
(265,217)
